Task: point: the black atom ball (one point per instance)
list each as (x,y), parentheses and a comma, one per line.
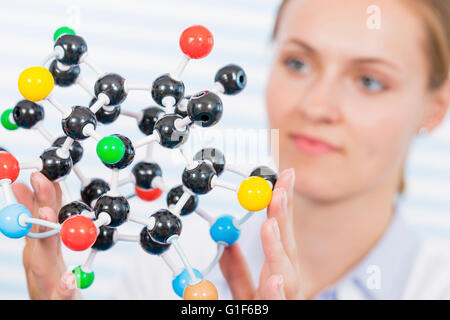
(175,194)
(232,77)
(215,156)
(53,166)
(107,114)
(105,239)
(64,77)
(27,113)
(151,246)
(205,108)
(266,173)
(112,85)
(165,86)
(166,225)
(150,116)
(76,150)
(144,173)
(74,48)
(199,178)
(117,208)
(170,137)
(94,190)
(71,209)
(74,124)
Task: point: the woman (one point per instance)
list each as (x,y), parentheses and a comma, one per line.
(348,101)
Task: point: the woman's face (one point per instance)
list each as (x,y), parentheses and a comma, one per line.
(360,91)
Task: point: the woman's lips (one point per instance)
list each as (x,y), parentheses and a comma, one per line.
(310,145)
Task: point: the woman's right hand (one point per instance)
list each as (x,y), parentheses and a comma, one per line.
(279,278)
(45,270)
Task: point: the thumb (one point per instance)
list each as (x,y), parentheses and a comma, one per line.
(47,193)
(235,270)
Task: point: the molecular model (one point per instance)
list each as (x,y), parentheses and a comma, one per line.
(91,222)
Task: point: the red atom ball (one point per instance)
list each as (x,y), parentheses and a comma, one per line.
(148,195)
(9,166)
(196,42)
(78,233)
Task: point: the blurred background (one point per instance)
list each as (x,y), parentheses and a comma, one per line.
(139,40)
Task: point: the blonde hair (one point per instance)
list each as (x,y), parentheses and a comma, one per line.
(436,17)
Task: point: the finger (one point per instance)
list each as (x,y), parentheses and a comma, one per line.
(49,243)
(281,208)
(275,255)
(43,261)
(236,273)
(286,180)
(67,287)
(45,191)
(45,257)
(58,192)
(278,210)
(273,288)
(264,275)
(23,195)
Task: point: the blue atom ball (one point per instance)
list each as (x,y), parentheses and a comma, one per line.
(9,221)
(181,281)
(223,230)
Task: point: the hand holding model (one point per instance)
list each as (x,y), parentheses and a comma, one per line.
(279,278)
(45,270)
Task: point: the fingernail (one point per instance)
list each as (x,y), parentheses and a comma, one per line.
(280,283)
(292,177)
(63,283)
(43,217)
(275,228)
(284,200)
(291,173)
(34,183)
(40,214)
(68,281)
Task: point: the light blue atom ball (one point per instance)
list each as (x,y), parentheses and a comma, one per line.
(9,221)
(180,282)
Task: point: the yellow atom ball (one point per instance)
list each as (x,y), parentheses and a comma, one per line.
(204,290)
(35,83)
(254,193)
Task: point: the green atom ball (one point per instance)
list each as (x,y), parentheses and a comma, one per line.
(61,31)
(6,120)
(110,149)
(84,279)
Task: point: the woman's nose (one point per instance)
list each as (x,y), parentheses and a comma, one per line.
(319,102)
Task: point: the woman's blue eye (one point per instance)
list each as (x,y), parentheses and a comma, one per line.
(371,84)
(296,65)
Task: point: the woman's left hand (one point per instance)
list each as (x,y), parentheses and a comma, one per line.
(279,278)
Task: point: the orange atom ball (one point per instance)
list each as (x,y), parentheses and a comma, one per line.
(204,290)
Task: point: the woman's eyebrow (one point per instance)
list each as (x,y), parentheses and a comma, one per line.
(370,60)
(301,43)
